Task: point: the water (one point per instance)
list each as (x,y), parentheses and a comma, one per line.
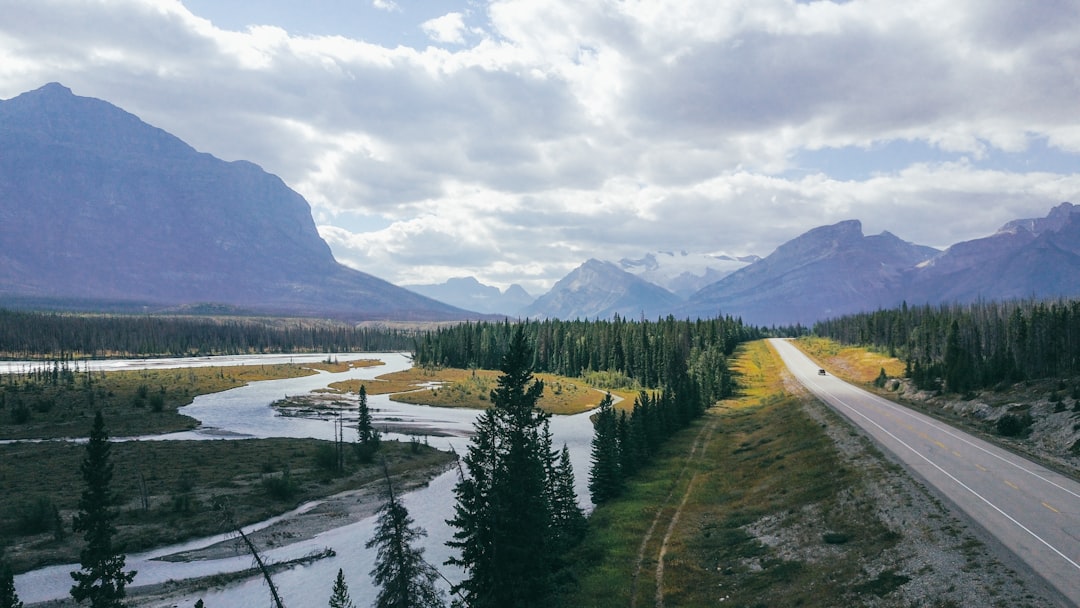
(245,412)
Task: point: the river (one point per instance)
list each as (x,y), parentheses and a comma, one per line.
(245,412)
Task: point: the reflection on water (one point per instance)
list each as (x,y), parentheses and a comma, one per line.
(246,412)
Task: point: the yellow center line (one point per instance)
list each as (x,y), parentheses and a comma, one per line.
(982,468)
(1012,485)
(957,454)
(1051,508)
(939,444)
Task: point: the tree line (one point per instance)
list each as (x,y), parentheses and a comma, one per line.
(649,353)
(33,335)
(961,348)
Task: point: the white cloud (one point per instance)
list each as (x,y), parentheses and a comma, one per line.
(568,130)
(450,28)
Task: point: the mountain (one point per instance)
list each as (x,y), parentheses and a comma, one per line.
(600,290)
(1026,258)
(826,272)
(684,273)
(98,208)
(470,294)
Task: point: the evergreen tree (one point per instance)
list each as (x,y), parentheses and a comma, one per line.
(605,475)
(339,597)
(405,578)
(102,579)
(367,436)
(567,517)
(503,515)
(8,597)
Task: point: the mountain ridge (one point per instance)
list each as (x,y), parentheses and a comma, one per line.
(97,205)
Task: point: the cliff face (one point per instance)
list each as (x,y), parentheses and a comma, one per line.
(96,205)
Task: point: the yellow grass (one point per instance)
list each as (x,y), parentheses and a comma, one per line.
(853,363)
(452,387)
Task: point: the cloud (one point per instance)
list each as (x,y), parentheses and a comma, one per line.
(450,28)
(540,134)
(386,5)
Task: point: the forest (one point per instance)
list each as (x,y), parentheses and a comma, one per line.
(36,335)
(962,348)
(632,354)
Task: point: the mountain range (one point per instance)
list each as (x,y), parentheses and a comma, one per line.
(101,211)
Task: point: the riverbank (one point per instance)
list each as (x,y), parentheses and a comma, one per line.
(171,491)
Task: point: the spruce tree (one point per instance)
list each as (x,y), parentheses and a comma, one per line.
(503,515)
(605,476)
(102,579)
(404,577)
(8,597)
(567,518)
(367,436)
(339,597)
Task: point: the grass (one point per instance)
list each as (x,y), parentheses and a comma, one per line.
(167,490)
(768,467)
(451,387)
(855,364)
(135,402)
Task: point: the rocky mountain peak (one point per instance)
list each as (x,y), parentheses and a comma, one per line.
(1053,222)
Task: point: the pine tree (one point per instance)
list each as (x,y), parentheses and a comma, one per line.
(567,518)
(102,579)
(405,579)
(503,514)
(339,597)
(367,435)
(8,597)
(605,475)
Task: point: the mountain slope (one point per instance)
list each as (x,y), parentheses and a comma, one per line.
(600,290)
(470,294)
(1026,258)
(96,206)
(684,273)
(828,271)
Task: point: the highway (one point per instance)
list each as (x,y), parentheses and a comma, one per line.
(1033,511)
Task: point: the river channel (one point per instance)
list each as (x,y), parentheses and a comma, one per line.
(245,412)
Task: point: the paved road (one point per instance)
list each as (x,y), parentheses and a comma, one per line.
(1033,511)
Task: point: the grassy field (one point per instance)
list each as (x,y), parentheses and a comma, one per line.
(449,387)
(851,363)
(168,491)
(754,462)
(136,402)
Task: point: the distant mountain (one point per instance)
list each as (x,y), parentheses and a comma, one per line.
(684,273)
(600,290)
(97,208)
(1027,258)
(826,272)
(470,294)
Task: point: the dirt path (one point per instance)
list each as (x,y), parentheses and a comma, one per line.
(697,449)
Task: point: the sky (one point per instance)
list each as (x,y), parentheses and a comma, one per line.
(511,140)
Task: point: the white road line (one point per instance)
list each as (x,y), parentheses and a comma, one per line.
(948,431)
(957,481)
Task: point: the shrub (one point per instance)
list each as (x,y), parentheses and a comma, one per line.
(280,486)
(37,516)
(1011,425)
(20,414)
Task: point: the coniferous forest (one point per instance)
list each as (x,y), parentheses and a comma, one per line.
(32,335)
(961,348)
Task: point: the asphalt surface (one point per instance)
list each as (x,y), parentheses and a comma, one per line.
(1033,511)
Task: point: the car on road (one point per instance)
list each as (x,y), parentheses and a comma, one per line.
(821,372)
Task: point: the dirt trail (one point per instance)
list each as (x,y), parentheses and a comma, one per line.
(697,449)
